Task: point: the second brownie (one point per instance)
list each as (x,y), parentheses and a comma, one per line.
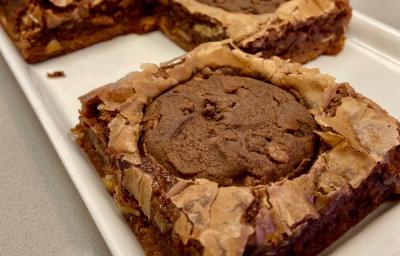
(43,29)
(299,30)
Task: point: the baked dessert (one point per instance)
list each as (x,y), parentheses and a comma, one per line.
(220,152)
(299,30)
(42,29)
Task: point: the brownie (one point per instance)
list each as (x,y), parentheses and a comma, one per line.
(220,152)
(299,30)
(42,29)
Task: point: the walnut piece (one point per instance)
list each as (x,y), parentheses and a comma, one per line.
(61,3)
(53,46)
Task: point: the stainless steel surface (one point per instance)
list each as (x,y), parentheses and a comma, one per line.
(41,212)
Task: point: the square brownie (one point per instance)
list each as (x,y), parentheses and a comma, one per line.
(220,152)
(299,30)
(42,29)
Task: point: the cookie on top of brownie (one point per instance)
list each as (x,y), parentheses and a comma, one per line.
(220,152)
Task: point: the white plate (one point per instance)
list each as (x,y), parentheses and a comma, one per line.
(370,62)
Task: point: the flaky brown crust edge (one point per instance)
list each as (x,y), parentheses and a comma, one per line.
(299,54)
(319,235)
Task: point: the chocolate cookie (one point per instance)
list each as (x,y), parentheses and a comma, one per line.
(229,129)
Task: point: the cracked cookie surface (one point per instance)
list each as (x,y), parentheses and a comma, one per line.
(229,129)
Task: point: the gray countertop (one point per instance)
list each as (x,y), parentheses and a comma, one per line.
(41,213)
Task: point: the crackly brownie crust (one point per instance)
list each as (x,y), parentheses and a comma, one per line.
(354,169)
(350,211)
(298,30)
(44,29)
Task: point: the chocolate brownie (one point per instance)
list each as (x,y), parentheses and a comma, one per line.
(224,153)
(299,30)
(42,29)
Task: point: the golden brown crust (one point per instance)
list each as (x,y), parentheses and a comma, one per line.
(243,27)
(298,30)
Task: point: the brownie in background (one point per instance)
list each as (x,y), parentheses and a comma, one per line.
(299,30)
(42,29)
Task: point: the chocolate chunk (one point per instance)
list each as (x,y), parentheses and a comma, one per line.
(56,74)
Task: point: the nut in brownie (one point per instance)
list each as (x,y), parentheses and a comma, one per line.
(224,153)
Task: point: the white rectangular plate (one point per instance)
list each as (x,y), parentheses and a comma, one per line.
(370,62)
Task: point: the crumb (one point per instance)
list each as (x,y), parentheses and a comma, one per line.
(56,74)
